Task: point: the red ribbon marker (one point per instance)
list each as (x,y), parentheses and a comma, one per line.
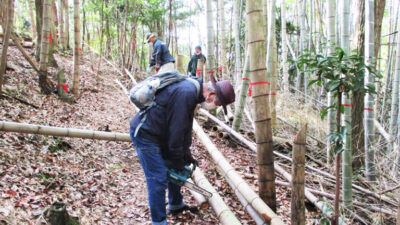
(273,93)
(257,83)
(49,37)
(64,85)
(211,72)
(221,68)
(78,49)
(197,71)
(368,109)
(347,105)
(244,78)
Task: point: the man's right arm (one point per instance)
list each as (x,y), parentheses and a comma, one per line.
(189,69)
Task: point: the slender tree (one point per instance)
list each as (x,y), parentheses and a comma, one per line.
(346,154)
(240,103)
(32,17)
(272,56)
(395,94)
(77,49)
(370,170)
(260,95)
(61,22)
(210,40)
(221,5)
(7,28)
(44,83)
(66,25)
(236,32)
(357,100)
(303,42)
(331,50)
(285,69)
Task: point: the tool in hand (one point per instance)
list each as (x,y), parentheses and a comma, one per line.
(181,178)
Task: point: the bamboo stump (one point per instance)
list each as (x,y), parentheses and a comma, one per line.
(62,89)
(57,215)
(180,64)
(299,159)
(200,68)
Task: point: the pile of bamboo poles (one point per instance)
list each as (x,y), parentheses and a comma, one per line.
(232,176)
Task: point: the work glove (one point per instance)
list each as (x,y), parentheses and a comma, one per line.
(190,160)
(176,164)
(148,70)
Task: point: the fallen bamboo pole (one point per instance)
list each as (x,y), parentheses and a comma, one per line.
(224,214)
(229,172)
(200,199)
(298,208)
(62,132)
(17,42)
(250,210)
(252,146)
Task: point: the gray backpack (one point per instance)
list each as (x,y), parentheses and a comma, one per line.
(143,94)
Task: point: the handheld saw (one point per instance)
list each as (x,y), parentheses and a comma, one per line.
(180,177)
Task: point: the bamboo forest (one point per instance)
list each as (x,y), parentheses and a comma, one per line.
(204,112)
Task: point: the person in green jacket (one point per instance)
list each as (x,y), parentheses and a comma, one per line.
(192,67)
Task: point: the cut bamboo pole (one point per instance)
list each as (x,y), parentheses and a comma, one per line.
(224,214)
(200,199)
(17,42)
(298,213)
(62,132)
(250,210)
(230,173)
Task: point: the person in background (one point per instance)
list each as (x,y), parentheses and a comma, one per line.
(192,67)
(161,57)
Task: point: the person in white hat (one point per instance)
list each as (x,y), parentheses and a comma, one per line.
(161,57)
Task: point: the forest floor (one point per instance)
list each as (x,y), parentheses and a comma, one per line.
(102,182)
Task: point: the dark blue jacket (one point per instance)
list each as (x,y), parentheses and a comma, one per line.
(169,124)
(160,54)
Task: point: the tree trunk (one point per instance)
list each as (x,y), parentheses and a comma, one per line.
(285,69)
(370,170)
(237,120)
(210,41)
(298,209)
(331,51)
(260,96)
(32,16)
(221,5)
(77,49)
(302,39)
(7,29)
(61,23)
(44,82)
(236,32)
(39,22)
(395,94)
(347,156)
(398,214)
(272,56)
(357,102)
(66,25)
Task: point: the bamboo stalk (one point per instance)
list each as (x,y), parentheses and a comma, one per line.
(229,172)
(298,213)
(62,132)
(17,42)
(224,214)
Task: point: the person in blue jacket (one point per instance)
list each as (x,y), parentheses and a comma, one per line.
(161,57)
(163,140)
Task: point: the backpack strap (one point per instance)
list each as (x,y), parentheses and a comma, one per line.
(196,83)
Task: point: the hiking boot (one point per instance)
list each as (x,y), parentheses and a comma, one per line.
(192,209)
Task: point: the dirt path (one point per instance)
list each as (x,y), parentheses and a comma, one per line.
(102,182)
